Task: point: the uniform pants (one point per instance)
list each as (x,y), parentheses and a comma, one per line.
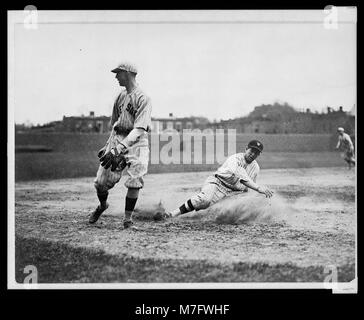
(212,191)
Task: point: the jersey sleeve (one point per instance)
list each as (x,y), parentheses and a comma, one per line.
(255,174)
(338,142)
(243,178)
(230,172)
(144,113)
(243,175)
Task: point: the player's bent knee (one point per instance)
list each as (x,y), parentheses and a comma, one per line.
(100,188)
(134,183)
(200,203)
(204,204)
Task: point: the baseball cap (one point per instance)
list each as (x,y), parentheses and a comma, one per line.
(340,129)
(256,145)
(125,66)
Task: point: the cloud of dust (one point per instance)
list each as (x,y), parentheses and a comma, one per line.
(256,208)
(248,208)
(146,212)
(237,209)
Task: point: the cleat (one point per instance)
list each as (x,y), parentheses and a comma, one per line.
(162,215)
(127,224)
(95,215)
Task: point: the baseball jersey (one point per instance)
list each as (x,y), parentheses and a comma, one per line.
(345,141)
(235,169)
(131,111)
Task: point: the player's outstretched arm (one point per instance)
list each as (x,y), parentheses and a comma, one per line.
(261,189)
(338,145)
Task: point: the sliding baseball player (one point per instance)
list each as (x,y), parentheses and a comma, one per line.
(236,176)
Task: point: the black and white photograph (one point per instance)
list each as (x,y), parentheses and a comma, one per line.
(182,149)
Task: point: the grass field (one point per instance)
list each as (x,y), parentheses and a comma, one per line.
(84,142)
(58,165)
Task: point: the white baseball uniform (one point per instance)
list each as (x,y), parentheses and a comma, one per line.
(345,142)
(130,111)
(226,181)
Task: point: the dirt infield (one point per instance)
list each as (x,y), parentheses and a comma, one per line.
(308,225)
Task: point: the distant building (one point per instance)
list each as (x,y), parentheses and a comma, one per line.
(268,119)
(237,124)
(101,124)
(89,123)
(172,123)
(271,119)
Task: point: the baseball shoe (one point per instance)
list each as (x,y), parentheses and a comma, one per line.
(127,224)
(162,215)
(95,215)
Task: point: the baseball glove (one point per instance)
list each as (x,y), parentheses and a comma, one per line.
(114,160)
(101,152)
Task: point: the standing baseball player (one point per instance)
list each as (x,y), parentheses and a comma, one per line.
(126,150)
(238,173)
(347,145)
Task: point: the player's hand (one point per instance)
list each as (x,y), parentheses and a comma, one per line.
(264,190)
(101,152)
(122,148)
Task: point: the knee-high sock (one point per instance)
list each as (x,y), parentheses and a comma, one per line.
(102,197)
(186,207)
(129,207)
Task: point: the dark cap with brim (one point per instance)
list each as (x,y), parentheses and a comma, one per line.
(256,144)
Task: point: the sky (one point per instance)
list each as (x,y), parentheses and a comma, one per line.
(216,70)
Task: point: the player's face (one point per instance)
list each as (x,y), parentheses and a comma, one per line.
(251,154)
(121,76)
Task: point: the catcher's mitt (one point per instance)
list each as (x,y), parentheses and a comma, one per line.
(114,160)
